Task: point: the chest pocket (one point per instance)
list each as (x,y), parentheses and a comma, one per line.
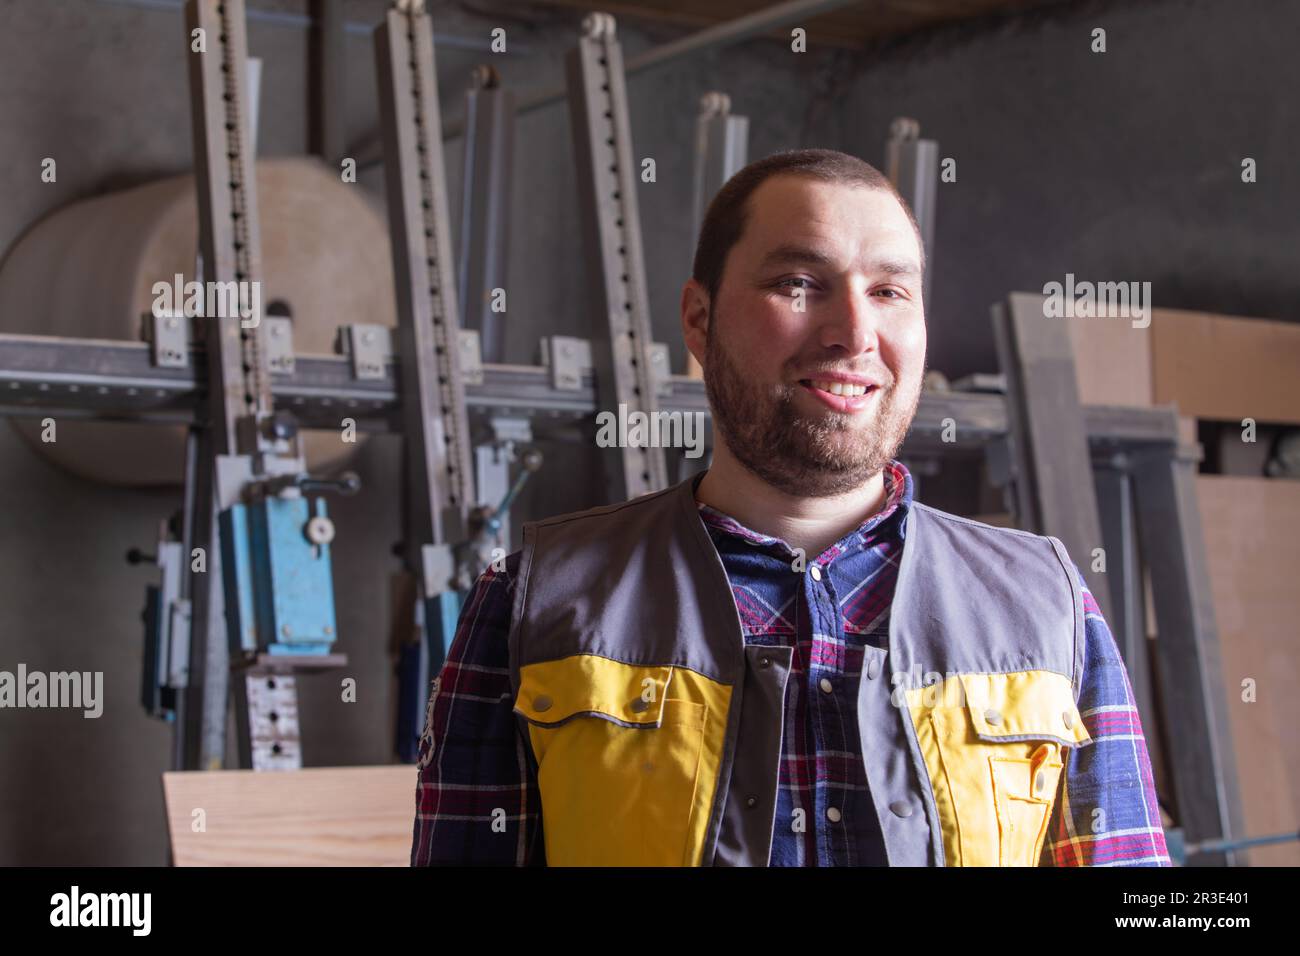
(627,759)
(996,747)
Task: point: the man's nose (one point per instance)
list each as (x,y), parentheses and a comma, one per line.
(850,323)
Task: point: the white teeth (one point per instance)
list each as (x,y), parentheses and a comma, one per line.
(839,388)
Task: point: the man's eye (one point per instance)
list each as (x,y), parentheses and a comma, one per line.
(894,293)
(783,282)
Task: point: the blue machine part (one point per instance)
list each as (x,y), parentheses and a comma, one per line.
(441,613)
(419,664)
(282,580)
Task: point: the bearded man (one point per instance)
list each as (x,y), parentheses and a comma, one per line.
(786,660)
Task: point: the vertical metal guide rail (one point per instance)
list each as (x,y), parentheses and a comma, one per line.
(485,208)
(721,151)
(912,165)
(439,484)
(621,350)
(269,579)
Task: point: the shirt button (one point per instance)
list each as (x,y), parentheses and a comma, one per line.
(833,814)
(992,716)
(816,572)
(542,703)
(901,808)
(826,686)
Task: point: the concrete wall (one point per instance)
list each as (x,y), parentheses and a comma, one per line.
(1117,166)
(1122,166)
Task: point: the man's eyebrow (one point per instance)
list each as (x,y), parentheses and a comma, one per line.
(897,267)
(794,254)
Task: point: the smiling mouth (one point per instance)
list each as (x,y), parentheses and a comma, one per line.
(837,388)
(840,396)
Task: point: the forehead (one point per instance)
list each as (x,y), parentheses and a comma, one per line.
(854,219)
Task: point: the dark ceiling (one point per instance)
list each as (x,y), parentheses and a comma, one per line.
(851,25)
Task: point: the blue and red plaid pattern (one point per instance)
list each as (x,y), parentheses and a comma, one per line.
(824,812)
(1108,814)
(477,799)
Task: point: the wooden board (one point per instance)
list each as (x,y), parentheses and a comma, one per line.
(1252,542)
(333,816)
(1218,367)
(1225,367)
(1112,360)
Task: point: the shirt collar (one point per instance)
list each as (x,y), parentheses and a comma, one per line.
(898,500)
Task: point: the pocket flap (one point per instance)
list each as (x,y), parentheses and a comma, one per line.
(584,685)
(1028,705)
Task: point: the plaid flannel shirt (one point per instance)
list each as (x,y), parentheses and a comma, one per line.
(477,799)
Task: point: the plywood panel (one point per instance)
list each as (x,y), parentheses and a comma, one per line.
(1252,540)
(334,816)
(1225,367)
(1112,358)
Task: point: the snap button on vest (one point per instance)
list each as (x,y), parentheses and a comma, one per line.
(992,716)
(1069,721)
(826,686)
(901,808)
(541,703)
(639,706)
(751,802)
(833,814)
(1039,780)
(765,662)
(816,572)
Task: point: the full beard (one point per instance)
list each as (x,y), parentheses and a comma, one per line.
(800,455)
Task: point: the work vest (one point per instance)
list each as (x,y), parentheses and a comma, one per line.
(657,731)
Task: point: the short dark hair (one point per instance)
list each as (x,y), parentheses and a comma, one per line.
(724,222)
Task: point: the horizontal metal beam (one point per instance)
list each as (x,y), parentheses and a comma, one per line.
(117,381)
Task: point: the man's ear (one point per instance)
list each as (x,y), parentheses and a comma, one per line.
(695,319)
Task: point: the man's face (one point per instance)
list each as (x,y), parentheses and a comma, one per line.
(849,257)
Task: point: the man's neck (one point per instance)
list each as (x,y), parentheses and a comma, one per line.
(813,524)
